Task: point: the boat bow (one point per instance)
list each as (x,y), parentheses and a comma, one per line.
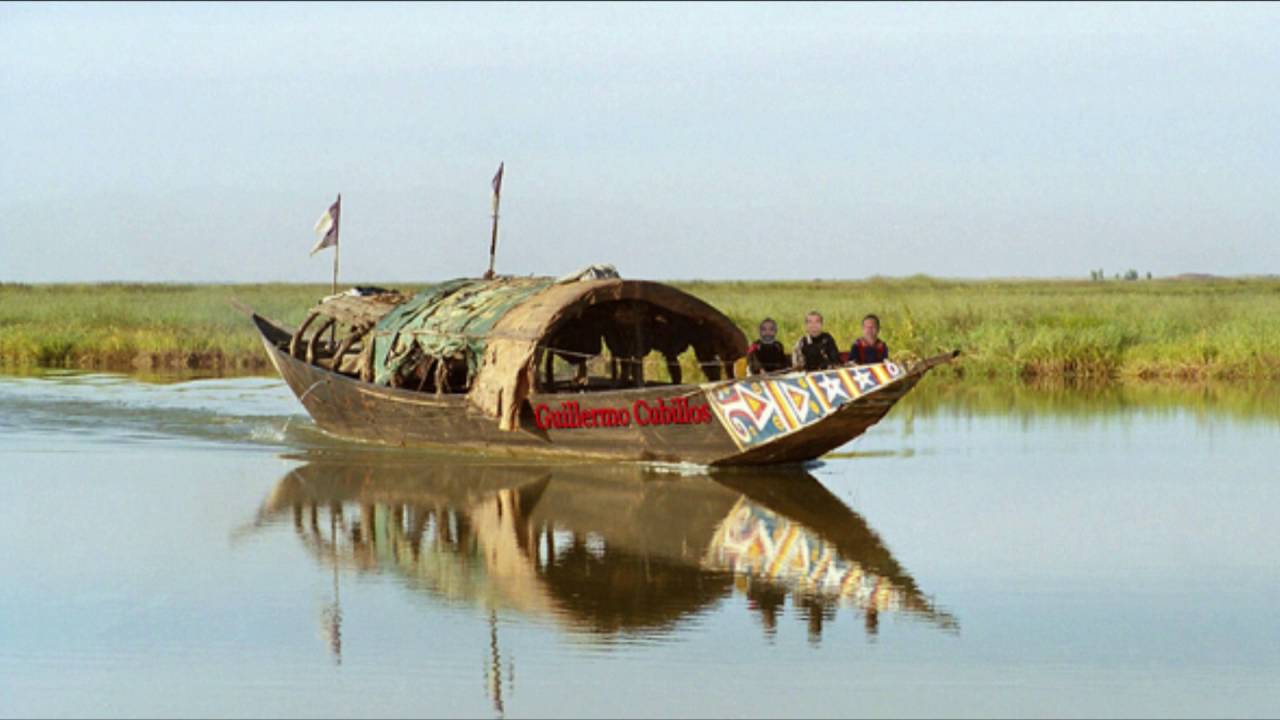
(798,416)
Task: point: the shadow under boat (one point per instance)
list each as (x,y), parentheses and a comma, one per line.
(601,549)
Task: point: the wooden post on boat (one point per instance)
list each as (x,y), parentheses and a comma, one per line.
(337,224)
(493,236)
(327,227)
(337,227)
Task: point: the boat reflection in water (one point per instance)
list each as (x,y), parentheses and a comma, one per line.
(604,549)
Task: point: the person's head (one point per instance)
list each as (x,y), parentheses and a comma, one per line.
(813,323)
(871,328)
(768,329)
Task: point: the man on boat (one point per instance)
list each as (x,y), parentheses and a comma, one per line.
(869,348)
(767,354)
(815,350)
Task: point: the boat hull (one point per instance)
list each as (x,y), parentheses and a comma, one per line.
(677,424)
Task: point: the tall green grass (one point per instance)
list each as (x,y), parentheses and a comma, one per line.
(1036,329)
(143,326)
(1171,329)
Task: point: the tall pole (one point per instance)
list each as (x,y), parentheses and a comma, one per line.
(493,240)
(493,236)
(337,245)
(337,228)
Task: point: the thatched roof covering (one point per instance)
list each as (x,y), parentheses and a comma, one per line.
(506,374)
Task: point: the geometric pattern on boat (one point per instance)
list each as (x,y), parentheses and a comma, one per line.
(758,410)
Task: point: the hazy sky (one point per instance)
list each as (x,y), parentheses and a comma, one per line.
(201,142)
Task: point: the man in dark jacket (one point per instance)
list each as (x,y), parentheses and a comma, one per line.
(767,354)
(869,348)
(815,350)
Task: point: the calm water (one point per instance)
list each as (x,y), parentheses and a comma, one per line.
(197,548)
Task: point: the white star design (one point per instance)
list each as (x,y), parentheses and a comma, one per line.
(832,386)
(865,379)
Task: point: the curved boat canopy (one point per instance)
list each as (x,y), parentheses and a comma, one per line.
(501,327)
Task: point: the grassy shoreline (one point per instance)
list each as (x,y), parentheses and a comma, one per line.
(1182,330)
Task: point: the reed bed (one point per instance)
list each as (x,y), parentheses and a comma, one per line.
(1161,329)
(1185,330)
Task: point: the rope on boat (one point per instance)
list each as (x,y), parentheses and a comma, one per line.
(301,398)
(314,385)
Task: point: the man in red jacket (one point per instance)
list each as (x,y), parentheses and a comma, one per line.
(869,348)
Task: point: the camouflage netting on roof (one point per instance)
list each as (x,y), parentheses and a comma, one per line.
(451,319)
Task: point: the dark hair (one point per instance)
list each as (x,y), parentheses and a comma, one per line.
(872,316)
(768,320)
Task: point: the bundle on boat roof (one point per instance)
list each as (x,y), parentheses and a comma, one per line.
(452,319)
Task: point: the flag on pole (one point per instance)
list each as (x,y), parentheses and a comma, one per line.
(327,227)
(497,187)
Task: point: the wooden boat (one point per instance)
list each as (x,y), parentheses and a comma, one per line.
(600,548)
(518,365)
